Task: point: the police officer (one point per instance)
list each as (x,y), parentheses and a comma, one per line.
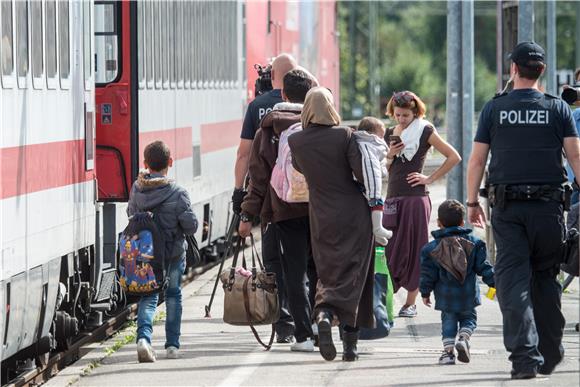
(525,130)
(257,109)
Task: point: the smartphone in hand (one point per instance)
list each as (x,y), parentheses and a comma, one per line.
(394,140)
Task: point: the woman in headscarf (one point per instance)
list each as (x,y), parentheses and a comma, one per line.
(340,221)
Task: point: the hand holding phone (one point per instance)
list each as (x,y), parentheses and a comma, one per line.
(394,140)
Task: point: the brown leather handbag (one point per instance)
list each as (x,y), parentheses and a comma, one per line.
(250,300)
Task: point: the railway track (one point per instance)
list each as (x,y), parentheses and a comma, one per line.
(58,361)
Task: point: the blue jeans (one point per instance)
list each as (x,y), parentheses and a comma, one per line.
(173,307)
(467,322)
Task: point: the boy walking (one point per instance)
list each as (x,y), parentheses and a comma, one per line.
(449,266)
(154,192)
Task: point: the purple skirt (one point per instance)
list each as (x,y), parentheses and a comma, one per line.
(408,218)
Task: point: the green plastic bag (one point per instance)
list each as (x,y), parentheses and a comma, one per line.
(381,267)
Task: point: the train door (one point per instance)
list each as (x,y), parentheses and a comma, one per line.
(116,126)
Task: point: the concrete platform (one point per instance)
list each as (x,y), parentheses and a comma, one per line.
(214,353)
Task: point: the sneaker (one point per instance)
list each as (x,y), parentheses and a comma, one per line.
(447,358)
(408,311)
(172,353)
(285,339)
(462,348)
(303,346)
(145,352)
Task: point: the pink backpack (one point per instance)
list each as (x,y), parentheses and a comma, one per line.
(289,184)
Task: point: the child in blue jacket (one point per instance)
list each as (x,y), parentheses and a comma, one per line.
(449,266)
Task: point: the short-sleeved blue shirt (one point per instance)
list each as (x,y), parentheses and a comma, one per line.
(257,109)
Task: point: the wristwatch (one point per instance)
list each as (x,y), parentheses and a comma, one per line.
(472,204)
(245,218)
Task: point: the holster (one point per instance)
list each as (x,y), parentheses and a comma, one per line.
(496,195)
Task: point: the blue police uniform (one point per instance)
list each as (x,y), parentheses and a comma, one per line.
(525,130)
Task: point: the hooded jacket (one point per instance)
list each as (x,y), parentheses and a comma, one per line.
(261,199)
(172,206)
(450,265)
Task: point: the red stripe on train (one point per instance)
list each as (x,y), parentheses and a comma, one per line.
(32,168)
(178,140)
(221,135)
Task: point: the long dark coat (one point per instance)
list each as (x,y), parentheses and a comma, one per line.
(340,221)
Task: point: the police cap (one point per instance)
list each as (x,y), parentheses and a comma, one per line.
(525,52)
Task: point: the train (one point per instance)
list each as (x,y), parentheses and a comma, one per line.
(85,86)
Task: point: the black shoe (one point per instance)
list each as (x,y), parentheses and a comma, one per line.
(289,339)
(549,366)
(523,374)
(349,341)
(325,343)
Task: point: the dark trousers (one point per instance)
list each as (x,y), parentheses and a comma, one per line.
(294,236)
(528,235)
(273,263)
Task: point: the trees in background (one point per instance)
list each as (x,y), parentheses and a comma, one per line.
(411,52)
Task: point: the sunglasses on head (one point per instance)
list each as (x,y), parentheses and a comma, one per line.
(403,98)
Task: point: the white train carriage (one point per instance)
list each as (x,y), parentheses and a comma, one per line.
(47,195)
(85,86)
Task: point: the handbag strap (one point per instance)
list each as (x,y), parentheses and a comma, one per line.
(255,255)
(249,318)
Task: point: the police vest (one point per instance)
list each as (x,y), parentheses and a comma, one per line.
(526,142)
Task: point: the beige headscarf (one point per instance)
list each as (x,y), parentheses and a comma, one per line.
(319,108)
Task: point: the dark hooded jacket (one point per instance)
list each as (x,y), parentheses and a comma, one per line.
(172,206)
(261,199)
(450,265)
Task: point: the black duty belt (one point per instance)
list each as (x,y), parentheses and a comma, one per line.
(501,193)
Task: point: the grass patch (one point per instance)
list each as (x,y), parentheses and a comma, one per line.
(120,339)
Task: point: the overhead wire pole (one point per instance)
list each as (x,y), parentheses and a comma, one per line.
(373,62)
(551,86)
(454,102)
(468,105)
(525,21)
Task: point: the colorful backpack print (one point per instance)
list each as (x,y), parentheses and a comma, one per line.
(289,184)
(142,251)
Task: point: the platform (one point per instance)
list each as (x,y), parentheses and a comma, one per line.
(217,354)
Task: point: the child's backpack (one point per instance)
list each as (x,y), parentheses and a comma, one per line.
(142,249)
(289,184)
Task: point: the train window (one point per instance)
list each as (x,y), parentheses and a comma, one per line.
(87,42)
(36,48)
(149,43)
(203,52)
(171,43)
(50,42)
(106,42)
(141,44)
(89,139)
(165,43)
(157,39)
(63,42)
(7,43)
(196,161)
(193,44)
(21,42)
(178,12)
(187,20)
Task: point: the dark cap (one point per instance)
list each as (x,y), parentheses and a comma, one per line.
(525,52)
